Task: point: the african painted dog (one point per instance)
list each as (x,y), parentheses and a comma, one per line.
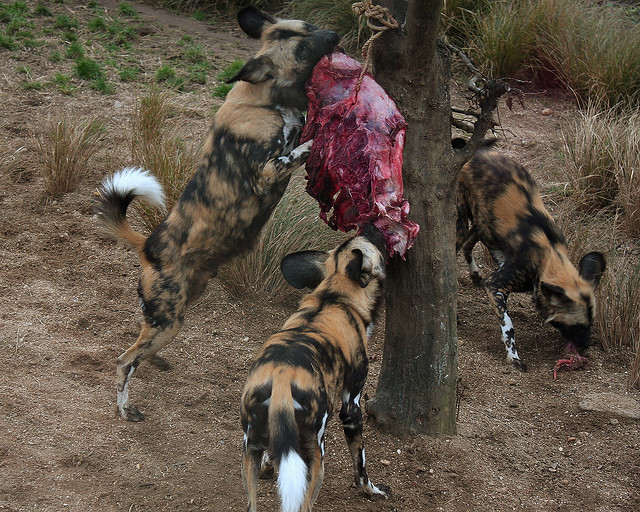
(249,154)
(499,205)
(316,362)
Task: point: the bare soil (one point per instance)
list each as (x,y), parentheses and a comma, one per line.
(68,308)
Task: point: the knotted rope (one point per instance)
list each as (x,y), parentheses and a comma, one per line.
(383,22)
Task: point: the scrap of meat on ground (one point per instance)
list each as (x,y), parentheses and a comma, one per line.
(355,165)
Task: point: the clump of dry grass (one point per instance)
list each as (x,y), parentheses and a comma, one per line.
(602,162)
(157,146)
(65,148)
(294,226)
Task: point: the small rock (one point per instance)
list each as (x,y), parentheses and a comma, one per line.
(611,403)
(546,112)
(613,421)
(431,471)
(385,462)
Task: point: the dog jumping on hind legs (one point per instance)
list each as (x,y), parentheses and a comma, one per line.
(499,204)
(249,154)
(316,364)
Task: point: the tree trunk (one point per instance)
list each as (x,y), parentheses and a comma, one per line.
(416,391)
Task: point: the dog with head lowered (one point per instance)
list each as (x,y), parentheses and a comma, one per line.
(499,205)
(249,155)
(315,365)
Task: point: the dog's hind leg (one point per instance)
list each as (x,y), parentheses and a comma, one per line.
(250,470)
(150,341)
(316,476)
(467,245)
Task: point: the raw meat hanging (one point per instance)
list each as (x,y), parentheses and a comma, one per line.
(355,165)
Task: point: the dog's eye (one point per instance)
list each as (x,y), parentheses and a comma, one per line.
(302,52)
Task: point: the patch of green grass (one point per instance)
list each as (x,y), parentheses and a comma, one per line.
(24,69)
(199,16)
(126,9)
(63,83)
(70,36)
(184,40)
(164,73)
(88,69)
(195,54)
(65,22)
(221,90)
(129,74)
(93,4)
(101,84)
(198,73)
(55,56)
(75,51)
(42,10)
(32,85)
(97,24)
(8,42)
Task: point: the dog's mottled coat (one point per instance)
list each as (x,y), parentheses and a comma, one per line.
(315,365)
(499,204)
(249,154)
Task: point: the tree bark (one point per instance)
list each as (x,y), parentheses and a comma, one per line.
(416,392)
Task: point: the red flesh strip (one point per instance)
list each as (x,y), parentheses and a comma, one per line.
(572,362)
(355,165)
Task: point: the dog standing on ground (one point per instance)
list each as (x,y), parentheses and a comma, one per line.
(499,205)
(318,360)
(249,155)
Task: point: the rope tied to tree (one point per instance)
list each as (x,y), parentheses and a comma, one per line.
(383,22)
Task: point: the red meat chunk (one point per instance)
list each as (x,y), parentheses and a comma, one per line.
(355,165)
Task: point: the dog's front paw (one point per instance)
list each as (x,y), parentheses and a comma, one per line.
(519,365)
(131,413)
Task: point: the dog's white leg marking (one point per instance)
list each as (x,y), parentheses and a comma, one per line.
(123,396)
(508,337)
(473,267)
(321,432)
(367,486)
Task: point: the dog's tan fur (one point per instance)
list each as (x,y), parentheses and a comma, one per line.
(318,361)
(249,155)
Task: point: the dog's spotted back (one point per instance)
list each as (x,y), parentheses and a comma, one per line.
(499,204)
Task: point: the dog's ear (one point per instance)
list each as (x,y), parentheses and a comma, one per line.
(591,268)
(304,269)
(253,21)
(254,71)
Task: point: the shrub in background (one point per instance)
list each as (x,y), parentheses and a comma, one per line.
(65,148)
(156,146)
(602,162)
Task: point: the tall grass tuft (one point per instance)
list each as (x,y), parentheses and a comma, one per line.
(65,148)
(294,226)
(156,146)
(602,162)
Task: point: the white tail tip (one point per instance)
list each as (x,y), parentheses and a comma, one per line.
(136,181)
(292,481)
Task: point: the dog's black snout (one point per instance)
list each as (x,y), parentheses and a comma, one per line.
(328,38)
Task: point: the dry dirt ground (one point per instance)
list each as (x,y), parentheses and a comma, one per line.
(68,308)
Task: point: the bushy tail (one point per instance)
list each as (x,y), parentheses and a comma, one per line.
(285,448)
(116,193)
